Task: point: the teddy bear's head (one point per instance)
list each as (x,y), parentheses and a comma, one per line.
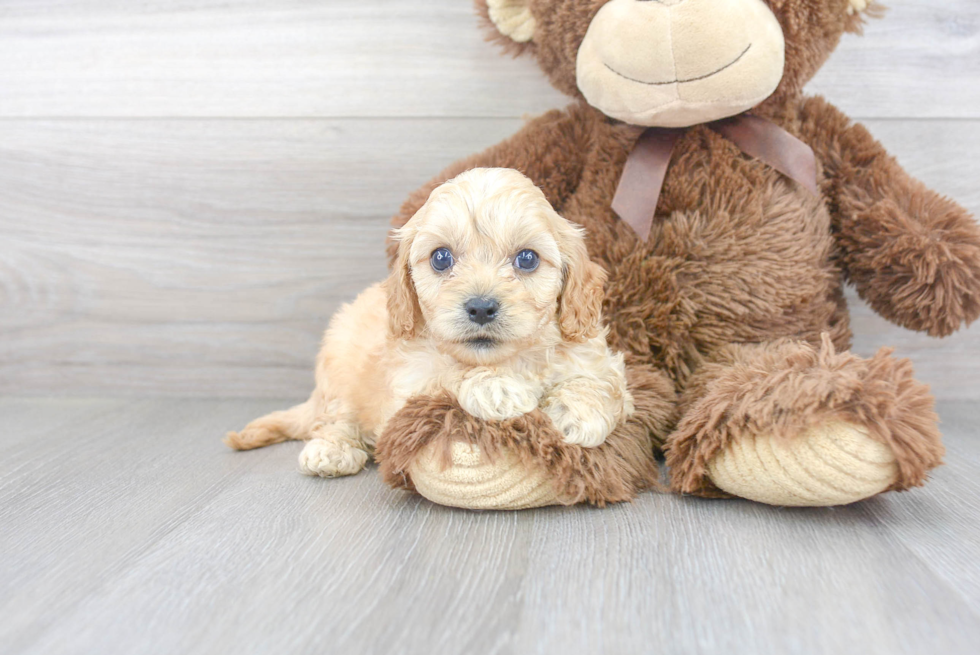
(676,63)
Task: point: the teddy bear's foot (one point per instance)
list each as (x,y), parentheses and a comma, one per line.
(434,447)
(476,482)
(834,463)
(787,423)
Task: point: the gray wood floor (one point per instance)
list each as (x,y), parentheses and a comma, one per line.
(126,527)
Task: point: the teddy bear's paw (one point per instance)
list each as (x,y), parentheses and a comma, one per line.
(580,423)
(330,458)
(497,398)
(833,463)
(472,481)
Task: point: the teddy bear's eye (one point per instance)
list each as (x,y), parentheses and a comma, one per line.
(526,260)
(441,260)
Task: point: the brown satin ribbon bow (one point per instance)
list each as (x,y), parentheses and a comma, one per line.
(646,168)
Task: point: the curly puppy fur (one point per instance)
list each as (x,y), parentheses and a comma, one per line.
(541,345)
(740,255)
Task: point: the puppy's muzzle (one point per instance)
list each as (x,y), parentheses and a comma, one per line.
(482,310)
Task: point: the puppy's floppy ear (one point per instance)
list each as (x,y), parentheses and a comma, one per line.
(404,312)
(580,304)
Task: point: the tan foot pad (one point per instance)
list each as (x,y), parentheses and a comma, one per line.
(830,464)
(473,483)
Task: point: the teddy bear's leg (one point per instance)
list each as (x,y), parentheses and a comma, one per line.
(451,457)
(471,481)
(786,423)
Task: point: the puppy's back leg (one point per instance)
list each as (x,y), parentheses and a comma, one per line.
(355,335)
(293,423)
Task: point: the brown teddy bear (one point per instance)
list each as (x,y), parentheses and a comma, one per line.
(728,209)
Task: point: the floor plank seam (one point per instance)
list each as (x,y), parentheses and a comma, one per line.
(937,575)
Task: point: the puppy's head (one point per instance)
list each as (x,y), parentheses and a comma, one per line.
(487,269)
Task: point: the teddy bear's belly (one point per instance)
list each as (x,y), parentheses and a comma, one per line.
(745,274)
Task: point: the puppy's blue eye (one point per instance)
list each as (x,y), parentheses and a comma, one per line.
(442,260)
(526,260)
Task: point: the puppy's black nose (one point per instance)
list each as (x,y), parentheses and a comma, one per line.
(482,310)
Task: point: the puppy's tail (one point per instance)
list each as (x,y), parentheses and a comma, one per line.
(293,423)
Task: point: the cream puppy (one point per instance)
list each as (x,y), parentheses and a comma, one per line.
(493,298)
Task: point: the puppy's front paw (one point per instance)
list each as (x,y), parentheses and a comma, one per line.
(496,398)
(581,424)
(331,459)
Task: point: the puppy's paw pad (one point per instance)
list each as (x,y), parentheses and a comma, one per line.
(329,459)
(496,399)
(581,425)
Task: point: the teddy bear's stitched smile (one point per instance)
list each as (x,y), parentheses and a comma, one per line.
(679,81)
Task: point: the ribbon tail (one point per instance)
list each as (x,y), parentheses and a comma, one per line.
(643,178)
(771,144)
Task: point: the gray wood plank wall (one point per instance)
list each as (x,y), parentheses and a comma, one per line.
(189,189)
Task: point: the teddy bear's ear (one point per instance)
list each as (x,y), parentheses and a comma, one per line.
(858,10)
(512,18)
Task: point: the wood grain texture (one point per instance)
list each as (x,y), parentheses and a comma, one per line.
(144,255)
(85,478)
(128,527)
(940,526)
(197,257)
(390,58)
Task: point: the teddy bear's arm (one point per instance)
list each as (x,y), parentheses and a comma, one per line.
(913,255)
(547,149)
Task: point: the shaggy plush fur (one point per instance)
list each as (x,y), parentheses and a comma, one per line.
(614,472)
(739,254)
(912,254)
(784,387)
